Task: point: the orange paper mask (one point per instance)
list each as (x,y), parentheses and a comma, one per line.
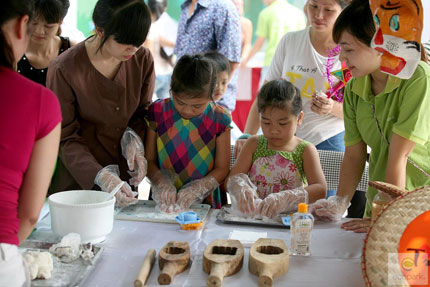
(399,24)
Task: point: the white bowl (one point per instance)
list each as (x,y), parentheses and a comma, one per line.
(87,212)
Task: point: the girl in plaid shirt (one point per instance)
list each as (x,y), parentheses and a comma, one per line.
(188,140)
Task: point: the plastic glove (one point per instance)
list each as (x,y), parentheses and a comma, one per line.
(196,191)
(330,209)
(285,200)
(108,179)
(163,191)
(134,152)
(243,195)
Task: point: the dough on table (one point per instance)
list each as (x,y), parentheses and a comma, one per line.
(40,264)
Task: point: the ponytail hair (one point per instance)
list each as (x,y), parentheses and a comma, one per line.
(194,76)
(11,9)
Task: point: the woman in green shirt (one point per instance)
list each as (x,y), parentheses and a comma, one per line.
(381,111)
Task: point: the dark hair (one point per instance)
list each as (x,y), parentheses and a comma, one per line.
(343,3)
(363,30)
(53,11)
(193,75)
(220,61)
(128,21)
(11,9)
(357,20)
(157,7)
(279,94)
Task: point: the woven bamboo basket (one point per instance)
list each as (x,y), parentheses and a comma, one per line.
(385,234)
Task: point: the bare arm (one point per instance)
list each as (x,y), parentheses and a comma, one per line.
(244,161)
(151,153)
(164,42)
(400,149)
(233,67)
(257,46)
(317,186)
(247,29)
(222,157)
(351,169)
(36,181)
(253,121)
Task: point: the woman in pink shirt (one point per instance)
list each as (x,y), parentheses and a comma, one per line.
(30,126)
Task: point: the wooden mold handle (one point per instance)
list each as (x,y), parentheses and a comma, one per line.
(168,273)
(265,277)
(216,276)
(145,269)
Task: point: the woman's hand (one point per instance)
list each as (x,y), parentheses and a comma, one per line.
(133,151)
(322,105)
(358,225)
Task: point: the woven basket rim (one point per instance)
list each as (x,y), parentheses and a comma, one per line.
(380,214)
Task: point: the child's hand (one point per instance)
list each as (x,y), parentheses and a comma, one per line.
(243,194)
(163,190)
(165,194)
(330,209)
(246,201)
(196,190)
(276,203)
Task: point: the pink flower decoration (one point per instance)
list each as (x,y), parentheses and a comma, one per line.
(281,161)
(271,167)
(260,179)
(283,178)
(293,167)
(276,189)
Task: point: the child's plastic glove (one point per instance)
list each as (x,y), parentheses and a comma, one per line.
(163,191)
(108,179)
(243,194)
(196,191)
(285,200)
(133,151)
(330,209)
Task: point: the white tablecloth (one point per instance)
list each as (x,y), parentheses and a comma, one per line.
(335,259)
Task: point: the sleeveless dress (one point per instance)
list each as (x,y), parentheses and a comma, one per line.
(274,171)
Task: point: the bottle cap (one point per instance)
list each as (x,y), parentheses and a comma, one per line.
(302,208)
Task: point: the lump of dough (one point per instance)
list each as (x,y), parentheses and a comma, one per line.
(40,264)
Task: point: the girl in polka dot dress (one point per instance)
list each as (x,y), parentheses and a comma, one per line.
(277,170)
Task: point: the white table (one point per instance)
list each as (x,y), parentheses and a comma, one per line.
(335,259)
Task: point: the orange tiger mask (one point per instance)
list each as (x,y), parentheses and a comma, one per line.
(399,24)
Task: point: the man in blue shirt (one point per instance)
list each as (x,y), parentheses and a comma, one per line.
(207,25)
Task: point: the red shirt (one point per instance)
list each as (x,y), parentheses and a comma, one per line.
(28,112)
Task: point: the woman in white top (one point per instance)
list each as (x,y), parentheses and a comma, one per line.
(301,58)
(155,42)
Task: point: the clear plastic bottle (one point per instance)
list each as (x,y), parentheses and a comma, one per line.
(301,230)
(379,201)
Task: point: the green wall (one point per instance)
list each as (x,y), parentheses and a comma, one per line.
(252,9)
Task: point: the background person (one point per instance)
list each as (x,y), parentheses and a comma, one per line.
(157,44)
(278,18)
(208,25)
(45,44)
